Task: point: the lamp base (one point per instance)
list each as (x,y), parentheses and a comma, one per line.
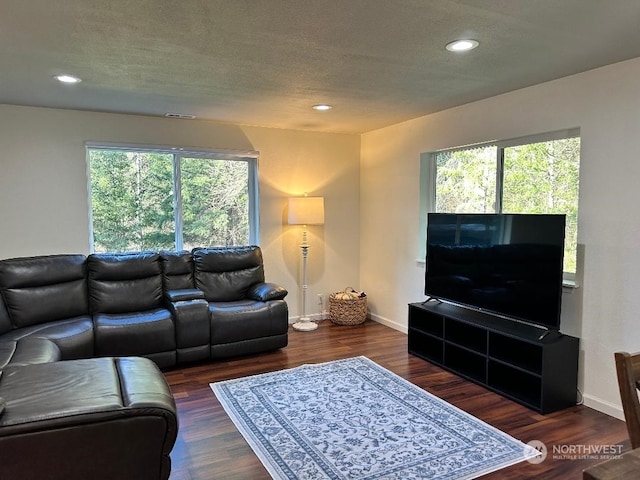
(305,325)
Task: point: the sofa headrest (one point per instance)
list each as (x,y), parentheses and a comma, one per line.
(33,286)
(226,259)
(41,270)
(177,270)
(126,282)
(226,273)
(124,266)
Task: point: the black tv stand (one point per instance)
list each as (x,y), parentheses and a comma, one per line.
(538,369)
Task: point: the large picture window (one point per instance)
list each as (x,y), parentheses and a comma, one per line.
(537,174)
(171,199)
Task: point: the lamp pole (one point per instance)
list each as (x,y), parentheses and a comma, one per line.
(305,211)
(304,324)
(305,252)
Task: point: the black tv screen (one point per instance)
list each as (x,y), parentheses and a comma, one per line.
(505,264)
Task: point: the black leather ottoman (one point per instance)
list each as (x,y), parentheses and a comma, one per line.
(99,419)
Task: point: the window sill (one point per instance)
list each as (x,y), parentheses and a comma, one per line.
(570,285)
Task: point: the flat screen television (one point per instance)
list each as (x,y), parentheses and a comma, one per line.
(509,265)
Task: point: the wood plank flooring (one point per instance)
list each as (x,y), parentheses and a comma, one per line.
(209,446)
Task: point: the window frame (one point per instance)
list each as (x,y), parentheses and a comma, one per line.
(428,177)
(179,153)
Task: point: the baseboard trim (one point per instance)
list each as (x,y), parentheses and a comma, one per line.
(314,317)
(389,323)
(318,317)
(603,406)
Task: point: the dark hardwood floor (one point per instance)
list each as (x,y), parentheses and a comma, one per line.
(210,447)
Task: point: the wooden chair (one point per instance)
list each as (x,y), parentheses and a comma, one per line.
(627,465)
(628,370)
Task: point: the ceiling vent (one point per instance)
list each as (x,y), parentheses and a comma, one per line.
(180,115)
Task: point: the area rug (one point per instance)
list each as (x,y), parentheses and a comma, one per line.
(353,419)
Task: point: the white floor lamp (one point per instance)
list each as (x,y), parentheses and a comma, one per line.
(305,211)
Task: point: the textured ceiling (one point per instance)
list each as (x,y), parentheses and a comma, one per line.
(266,62)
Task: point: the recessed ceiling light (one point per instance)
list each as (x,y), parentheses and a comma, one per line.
(462,45)
(322,107)
(186,116)
(67,79)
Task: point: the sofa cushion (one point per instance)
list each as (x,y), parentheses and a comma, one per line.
(225,274)
(45,393)
(122,283)
(7,349)
(98,419)
(247,319)
(139,333)
(28,351)
(32,288)
(5,322)
(73,336)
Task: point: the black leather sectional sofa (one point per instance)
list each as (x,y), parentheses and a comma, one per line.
(73,329)
(171,307)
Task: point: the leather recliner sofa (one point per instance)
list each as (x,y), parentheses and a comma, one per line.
(171,307)
(73,329)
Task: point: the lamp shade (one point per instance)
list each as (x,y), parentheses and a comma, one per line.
(306,211)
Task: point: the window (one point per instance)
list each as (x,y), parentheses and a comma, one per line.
(171,199)
(537,174)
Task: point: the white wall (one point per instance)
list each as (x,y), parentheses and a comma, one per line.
(605,311)
(44,198)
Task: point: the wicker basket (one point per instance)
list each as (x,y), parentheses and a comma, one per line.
(350,309)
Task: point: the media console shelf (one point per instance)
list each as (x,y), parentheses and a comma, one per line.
(516,360)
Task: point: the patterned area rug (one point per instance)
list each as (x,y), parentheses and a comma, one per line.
(353,419)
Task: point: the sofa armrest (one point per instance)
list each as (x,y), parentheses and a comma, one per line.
(184,294)
(264,292)
(193,328)
(27,351)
